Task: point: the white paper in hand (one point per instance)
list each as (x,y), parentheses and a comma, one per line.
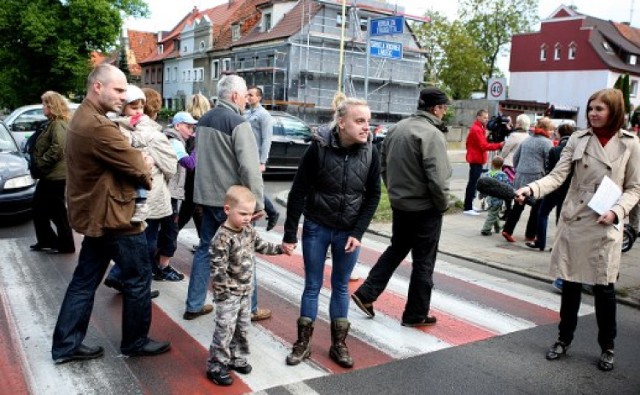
(606,196)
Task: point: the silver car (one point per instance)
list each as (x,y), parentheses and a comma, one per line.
(22,121)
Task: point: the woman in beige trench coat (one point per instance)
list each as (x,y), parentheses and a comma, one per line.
(587,246)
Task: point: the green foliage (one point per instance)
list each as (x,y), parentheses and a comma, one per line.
(623,84)
(165,114)
(491,24)
(46,44)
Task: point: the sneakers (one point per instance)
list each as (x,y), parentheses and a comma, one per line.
(471,212)
(428,321)
(485,232)
(606,361)
(244,369)
(557,285)
(220,376)
(367,308)
(141,212)
(190,315)
(272,221)
(167,274)
(557,350)
(260,314)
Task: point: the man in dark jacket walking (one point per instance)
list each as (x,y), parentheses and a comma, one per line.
(416,171)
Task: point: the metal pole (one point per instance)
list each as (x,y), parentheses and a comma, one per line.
(341,62)
(366,73)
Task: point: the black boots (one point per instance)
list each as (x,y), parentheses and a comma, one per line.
(302,347)
(339,351)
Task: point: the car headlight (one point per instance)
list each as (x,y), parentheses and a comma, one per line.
(19,182)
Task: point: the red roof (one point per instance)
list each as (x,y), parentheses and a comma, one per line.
(142,45)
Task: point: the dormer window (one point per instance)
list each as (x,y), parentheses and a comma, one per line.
(235,32)
(543,53)
(633,60)
(202,45)
(556,52)
(607,47)
(160,48)
(266,22)
(572,51)
(185,48)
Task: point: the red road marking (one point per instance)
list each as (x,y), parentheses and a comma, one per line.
(450,329)
(283,325)
(12,375)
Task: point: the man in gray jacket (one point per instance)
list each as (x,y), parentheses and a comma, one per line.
(416,171)
(227,155)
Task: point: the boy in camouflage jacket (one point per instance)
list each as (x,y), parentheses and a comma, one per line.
(495,204)
(232,253)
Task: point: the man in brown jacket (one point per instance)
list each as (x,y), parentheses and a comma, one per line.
(102,169)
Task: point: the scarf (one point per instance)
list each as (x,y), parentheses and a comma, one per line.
(604,135)
(541,132)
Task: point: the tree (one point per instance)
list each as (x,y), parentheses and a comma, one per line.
(452,58)
(492,23)
(46,44)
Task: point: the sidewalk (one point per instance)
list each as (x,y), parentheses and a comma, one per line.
(461,238)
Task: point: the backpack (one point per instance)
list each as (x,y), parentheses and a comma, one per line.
(29,147)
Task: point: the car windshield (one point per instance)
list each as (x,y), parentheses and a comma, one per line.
(290,127)
(6,142)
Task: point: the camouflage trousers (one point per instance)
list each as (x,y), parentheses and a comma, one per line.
(230,345)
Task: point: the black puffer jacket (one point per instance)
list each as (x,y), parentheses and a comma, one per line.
(336,187)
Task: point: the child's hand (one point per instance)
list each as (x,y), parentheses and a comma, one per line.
(288,248)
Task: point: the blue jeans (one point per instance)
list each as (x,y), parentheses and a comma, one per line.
(548,204)
(96,253)
(316,239)
(475,171)
(212,218)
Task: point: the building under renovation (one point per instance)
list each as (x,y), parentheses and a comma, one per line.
(292,50)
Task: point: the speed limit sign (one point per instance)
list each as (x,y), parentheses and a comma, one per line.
(497,89)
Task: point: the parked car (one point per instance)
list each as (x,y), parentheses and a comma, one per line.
(21,122)
(16,184)
(291,137)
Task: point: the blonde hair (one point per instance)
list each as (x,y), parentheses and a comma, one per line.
(341,104)
(238,193)
(57,105)
(198,105)
(524,121)
(545,123)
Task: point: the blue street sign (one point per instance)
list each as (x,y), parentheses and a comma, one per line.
(387,26)
(386,49)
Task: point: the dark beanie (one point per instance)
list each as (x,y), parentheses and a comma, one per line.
(430,97)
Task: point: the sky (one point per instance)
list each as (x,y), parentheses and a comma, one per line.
(165,14)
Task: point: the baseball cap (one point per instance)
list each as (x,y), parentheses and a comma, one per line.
(183,117)
(134,93)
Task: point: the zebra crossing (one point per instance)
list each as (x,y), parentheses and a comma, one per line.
(470,306)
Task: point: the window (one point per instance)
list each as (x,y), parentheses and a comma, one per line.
(166,75)
(159,76)
(556,52)
(235,32)
(215,69)
(633,88)
(633,59)
(153,76)
(175,74)
(363,23)
(188,75)
(572,51)
(202,46)
(266,22)
(184,75)
(146,76)
(607,47)
(185,48)
(160,48)
(226,64)
(543,53)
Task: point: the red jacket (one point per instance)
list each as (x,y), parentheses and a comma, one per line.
(477,144)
